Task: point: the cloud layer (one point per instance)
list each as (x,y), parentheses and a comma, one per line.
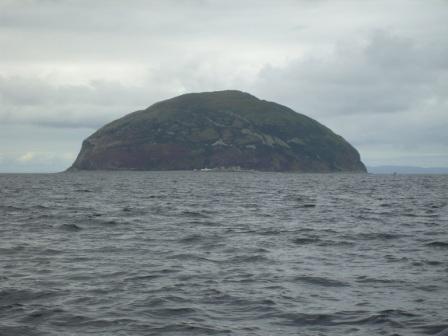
(375,72)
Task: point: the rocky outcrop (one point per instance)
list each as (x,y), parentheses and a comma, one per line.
(217,129)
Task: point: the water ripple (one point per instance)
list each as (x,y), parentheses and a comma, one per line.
(188,253)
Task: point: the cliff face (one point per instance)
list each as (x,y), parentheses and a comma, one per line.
(217,129)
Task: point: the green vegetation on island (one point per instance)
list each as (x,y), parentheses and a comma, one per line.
(217,130)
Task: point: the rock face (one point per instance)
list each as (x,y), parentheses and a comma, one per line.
(213,130)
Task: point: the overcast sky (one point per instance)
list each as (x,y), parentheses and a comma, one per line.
(375,72)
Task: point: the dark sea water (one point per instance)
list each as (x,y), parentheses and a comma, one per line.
(207,253)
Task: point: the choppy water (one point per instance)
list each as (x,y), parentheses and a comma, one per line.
(190,253)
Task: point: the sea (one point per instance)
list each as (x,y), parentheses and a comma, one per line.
(223,253)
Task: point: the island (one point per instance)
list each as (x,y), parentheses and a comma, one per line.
(221,130)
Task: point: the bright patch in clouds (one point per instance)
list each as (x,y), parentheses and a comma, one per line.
(27,157)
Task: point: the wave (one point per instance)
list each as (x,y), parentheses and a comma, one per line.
(70,227)
(438,244)
(321,281)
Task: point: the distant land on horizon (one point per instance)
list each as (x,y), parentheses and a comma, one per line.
(386,169)
(390,169)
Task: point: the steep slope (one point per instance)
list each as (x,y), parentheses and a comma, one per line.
(217,129)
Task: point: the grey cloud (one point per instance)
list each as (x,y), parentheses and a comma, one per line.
(144,31)
(39,101)
(384,74)
(35,101)
(32,90)
(140,16)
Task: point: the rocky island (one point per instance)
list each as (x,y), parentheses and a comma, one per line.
(213,130)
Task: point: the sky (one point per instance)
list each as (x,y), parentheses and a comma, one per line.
(375,72)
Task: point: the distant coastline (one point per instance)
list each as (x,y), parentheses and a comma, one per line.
(370,169)
(406,170)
